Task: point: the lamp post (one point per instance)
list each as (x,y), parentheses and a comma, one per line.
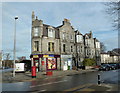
(14,52)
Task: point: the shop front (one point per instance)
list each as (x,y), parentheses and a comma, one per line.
(45,62)
(66,61)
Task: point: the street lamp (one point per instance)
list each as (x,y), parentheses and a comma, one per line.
(14,52)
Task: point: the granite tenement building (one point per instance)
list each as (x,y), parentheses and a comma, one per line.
(62,47)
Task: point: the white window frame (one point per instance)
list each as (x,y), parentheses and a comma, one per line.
(36,31)
(63,34)
(50,32)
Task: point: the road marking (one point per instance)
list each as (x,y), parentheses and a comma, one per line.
(87,89)
(48,83)
(39,91)
(78,87)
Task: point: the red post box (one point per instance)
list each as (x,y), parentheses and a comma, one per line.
(33,71)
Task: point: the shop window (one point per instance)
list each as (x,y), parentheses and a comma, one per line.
(36,45)
(50,46)
(63,47)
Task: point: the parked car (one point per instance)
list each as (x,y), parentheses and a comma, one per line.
(118,65)
(113,66)
(6,68)
(105,67)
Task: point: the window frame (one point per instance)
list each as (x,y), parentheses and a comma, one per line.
(36,45)
(64,47)
(51,46)
(36,31)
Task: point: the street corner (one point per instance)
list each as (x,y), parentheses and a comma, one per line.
(102,88)
(93,88)
(112,87)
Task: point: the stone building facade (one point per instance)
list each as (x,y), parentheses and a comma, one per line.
(67,44)
(110,57)
(59,48)
(80,50)
(45,45)
(89,45)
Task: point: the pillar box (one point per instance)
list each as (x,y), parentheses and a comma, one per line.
(33,71)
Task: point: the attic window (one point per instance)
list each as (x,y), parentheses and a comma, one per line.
(50,32)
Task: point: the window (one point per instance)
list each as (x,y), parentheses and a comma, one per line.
(71,48)
(36,32)
(63,35)
(78,49)
(63,47)
(36,45)
(81,48)
(87,52)
(50,46)
(50,32)
(71,37)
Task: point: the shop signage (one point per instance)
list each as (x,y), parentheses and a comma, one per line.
(35,56)
(45,55)
(51,56)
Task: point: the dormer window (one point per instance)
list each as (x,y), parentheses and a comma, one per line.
(50,32)
(36,32)
(80,38)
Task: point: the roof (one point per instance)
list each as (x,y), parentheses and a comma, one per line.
(59,26)
(78,32)
(104,53)
(113,53)
(48,26)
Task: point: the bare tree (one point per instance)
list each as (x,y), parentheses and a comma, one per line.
(113,9)
(102,46)
(6,58)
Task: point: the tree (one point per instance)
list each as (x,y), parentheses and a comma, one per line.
(113,9)
(6,61)
(89,62)
(102,47)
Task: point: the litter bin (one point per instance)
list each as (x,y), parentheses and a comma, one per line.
(33,71)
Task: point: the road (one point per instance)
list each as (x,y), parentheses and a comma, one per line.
(63,83)
(6,70)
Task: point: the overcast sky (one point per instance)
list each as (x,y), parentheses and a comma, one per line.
(84,16)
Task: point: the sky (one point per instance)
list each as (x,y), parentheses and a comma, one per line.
(84,16)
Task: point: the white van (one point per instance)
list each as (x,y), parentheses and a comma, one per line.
(19,67)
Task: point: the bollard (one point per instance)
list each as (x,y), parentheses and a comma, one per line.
(98,79)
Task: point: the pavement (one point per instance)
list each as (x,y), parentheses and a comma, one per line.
(7,77)
(90,88)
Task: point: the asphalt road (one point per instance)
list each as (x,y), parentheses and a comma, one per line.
(63,83)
